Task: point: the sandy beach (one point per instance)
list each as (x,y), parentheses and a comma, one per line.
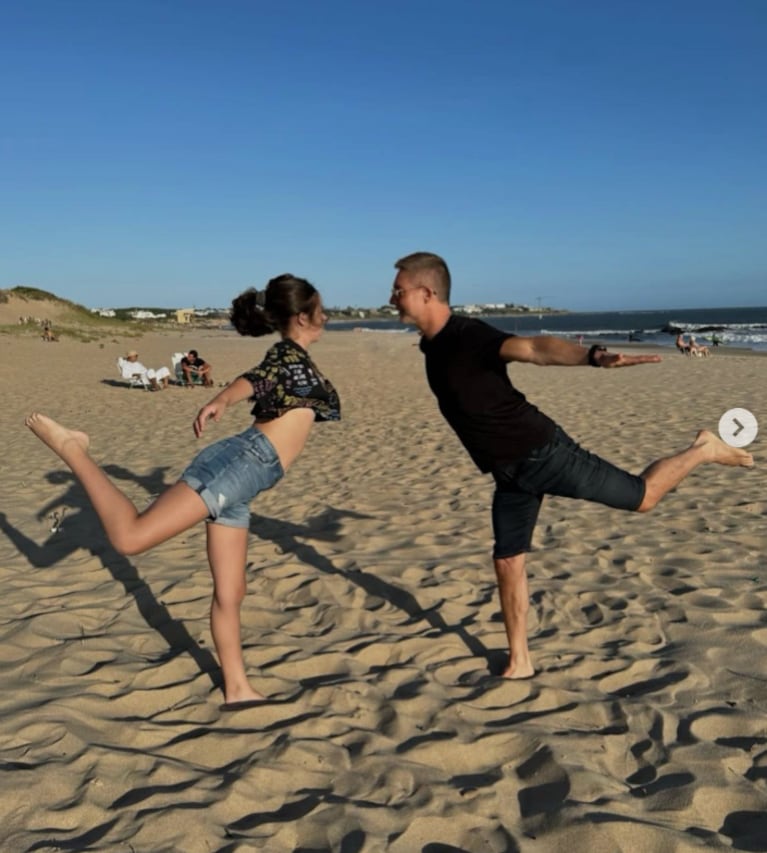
(373,625)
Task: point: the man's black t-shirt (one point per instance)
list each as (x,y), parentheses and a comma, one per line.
(491,417)
(195,362)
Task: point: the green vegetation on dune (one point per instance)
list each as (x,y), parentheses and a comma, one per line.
(68,319)
(34,294)
(24,292)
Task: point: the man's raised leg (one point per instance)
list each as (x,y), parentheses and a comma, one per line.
(665,474)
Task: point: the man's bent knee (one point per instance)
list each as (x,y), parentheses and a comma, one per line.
(649,501)
(513,566)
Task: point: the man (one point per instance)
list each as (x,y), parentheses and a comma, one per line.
(131,367)
(195,367)
(525,451)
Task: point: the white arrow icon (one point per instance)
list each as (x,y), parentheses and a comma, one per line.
(738,427)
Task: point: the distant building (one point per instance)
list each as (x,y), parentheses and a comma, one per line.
(184,315)
(104,312)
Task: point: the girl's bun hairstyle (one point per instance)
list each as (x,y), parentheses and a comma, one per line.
(260,312)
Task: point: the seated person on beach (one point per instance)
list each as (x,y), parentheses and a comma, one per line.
(289,395)
(132,368)
(681,345)
(698,349)
(195,367)
(48,335)
(527,453)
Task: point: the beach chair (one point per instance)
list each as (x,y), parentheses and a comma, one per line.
(134,380)
(175,361)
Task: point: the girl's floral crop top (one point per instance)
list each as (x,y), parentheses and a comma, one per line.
(288,379)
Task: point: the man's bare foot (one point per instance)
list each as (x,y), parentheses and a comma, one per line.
(718,451)
(61,440)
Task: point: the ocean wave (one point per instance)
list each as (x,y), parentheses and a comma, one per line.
(598,333)
(383,331)
(691,327)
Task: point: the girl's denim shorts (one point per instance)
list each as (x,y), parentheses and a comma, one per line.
(227,475)
(561,468)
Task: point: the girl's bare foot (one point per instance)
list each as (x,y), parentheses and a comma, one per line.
(242,700)
(719,451)
(61,440)
(519,670)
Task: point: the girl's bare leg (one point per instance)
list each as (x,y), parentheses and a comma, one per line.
(227,555)
(129,530)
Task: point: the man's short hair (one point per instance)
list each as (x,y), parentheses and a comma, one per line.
(428,262)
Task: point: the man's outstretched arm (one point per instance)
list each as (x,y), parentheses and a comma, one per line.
(549,350)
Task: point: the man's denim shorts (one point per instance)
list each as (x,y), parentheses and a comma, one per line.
(561,468)
(227,475)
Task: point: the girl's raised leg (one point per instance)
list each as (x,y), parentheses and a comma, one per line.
(129,530)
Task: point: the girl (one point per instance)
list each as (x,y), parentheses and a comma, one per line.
(289,394)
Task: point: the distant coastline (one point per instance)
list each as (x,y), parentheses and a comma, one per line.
(24,311)
(736,328)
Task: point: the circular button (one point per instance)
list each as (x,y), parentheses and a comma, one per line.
(738,427)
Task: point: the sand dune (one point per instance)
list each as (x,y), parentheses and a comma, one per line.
(16,308)
(372,623)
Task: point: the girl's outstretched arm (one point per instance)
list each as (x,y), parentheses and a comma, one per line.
(238,390)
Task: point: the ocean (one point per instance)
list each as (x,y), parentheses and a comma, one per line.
(735,327)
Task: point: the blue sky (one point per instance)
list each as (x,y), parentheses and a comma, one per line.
(590,155)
